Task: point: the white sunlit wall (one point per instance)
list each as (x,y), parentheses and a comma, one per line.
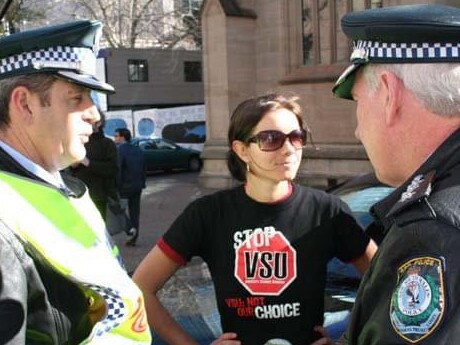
(182,125)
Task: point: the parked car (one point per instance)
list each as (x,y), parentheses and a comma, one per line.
(360,193)
(162,154)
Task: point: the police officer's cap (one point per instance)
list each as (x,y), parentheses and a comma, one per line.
(68,50)
(400,34)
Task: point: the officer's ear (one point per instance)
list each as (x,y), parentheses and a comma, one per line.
(21,103)
(392,88)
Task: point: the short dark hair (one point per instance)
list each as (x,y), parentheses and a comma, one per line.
(124,132)
(103,118)
(245,118)
(39,83)
(101,122)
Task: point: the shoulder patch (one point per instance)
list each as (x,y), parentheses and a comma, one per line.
(418,301)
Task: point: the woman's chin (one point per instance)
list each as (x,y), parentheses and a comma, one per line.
(290,175)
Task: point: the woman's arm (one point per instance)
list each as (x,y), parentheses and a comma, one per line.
(363,261)
(151,274)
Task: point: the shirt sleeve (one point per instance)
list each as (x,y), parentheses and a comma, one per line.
(183,240)
(350,239)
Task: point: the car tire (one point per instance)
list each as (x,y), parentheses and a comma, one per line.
(194,164)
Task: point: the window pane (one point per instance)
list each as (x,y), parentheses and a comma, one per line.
(188,6)
(376,3)
(359,5)
(192,71)
(342,42)
(325,23)
(308,32)
(138,71)
(323,41)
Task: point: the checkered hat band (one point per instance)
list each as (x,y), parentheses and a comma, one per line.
(370,50)
(116,310)
(81,60)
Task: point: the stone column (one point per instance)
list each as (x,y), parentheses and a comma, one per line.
(229,65)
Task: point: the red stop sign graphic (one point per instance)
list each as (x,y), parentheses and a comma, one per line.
(265,263)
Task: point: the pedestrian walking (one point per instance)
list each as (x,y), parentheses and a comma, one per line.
(99,169)
(131,180)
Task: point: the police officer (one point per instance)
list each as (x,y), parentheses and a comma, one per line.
(405,80)
(60,278)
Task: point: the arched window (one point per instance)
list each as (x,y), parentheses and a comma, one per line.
(317,49)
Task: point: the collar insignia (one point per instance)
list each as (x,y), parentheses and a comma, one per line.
(412,188)
(419,187)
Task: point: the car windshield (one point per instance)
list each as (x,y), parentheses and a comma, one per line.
(362,200)
(164,145)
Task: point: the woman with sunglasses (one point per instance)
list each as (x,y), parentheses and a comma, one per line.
(267,242)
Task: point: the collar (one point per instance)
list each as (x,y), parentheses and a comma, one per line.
(433,175)
(54,179)
(16,163)
(279,201)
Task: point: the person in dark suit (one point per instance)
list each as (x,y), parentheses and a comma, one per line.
(99,168)
(131,178)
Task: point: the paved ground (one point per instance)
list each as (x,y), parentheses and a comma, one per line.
(188,294)
(164,198)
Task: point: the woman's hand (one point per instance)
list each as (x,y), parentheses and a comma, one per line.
(227,339)
(324,340)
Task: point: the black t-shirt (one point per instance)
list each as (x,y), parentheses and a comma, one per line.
(268,261)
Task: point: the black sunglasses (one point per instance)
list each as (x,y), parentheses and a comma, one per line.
(273,140)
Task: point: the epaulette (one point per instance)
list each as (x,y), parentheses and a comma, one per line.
(419,188)
(446,204)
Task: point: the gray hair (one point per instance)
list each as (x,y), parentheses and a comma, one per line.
(435,85)
(38,83)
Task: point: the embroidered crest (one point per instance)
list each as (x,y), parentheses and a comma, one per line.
(417,304)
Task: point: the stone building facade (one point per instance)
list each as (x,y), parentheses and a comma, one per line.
(251,47)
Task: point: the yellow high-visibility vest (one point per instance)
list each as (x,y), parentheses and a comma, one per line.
(70,236)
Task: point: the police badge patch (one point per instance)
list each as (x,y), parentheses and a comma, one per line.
(417,304)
